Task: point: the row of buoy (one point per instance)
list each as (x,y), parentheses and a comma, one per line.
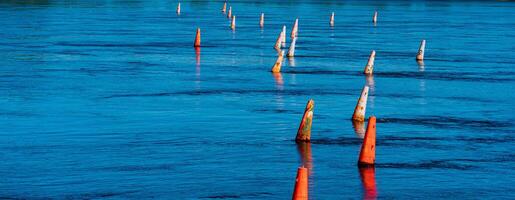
(366,158)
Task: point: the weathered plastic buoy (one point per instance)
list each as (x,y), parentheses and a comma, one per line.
(301,185)
(233,22)
(374,19)
(304,132)
(361,106)
(277,66)
(291,51)
(369,68)
(229,13)
(295,29)
(331,20)
(262,20)
(197,39)
(421,50)
(278,42)
(367,155)
(283,37)
(224,7)
(178,9)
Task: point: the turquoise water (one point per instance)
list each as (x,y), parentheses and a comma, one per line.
(108,99)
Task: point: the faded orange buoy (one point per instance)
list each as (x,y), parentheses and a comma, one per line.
(361,106)
(369,68)
(279,41)
(301,185)
(295,29)
(367,155)
(178,9)
(224,7)
(291,50)
(197,39)
(229,13)
(277,66)
(262,20)
(331,20)
(374,19)
(233,22)
(304,132)
(421,50)
(283,37)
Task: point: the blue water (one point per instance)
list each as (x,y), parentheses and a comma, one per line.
(108,99)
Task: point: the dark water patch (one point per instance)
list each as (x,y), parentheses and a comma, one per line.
(448,122)
(397,138)
(237,196)
(450,76)
(96,195)
(344,141)
(433,164)
(146,168)
(487,140)
(265,110)
(326,72)
(289,92)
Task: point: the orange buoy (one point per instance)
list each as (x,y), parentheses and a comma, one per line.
(229,13)
(197,39)
(233,23)
(369,68)
(295,29)
(421,49)
(224,7)
(262,20)
(277,66)
(278,42)
(361,106)
(301,185)
(179,9)
(368,181)
(367,155)
(291,51)
(374,19)
(304,132)
(331,20)
(283,37)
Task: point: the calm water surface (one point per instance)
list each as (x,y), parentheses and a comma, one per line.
(108,99)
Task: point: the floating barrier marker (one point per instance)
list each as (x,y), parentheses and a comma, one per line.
(224,7)
(277,66)
(262,20)
(369,68)
(304,132)
(374,19)
(278,42)
(179,9)
(229,13)
(361,106)
(421,50)
(331,20)
(295,29)
(291,51)
(197,39)
(283,37)
(367,155)
(301,185)
(233,23)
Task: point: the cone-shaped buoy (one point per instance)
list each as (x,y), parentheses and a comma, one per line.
(291,51)
(374,19)
(369,69)
(301,185)
(283,37)
(368,181)
(367,155)
(197,39)
(229,13)
(277,66)
(278,42)
(224,7)
(361,106)
(262,20)
(331,20)
(178,9)
(304,132)
(233,22)
(421,49)
(295,29)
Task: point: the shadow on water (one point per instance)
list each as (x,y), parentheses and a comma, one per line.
(238,196)
(448,122)
(368,182)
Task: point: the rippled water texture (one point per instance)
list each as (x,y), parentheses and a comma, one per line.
(109,99)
